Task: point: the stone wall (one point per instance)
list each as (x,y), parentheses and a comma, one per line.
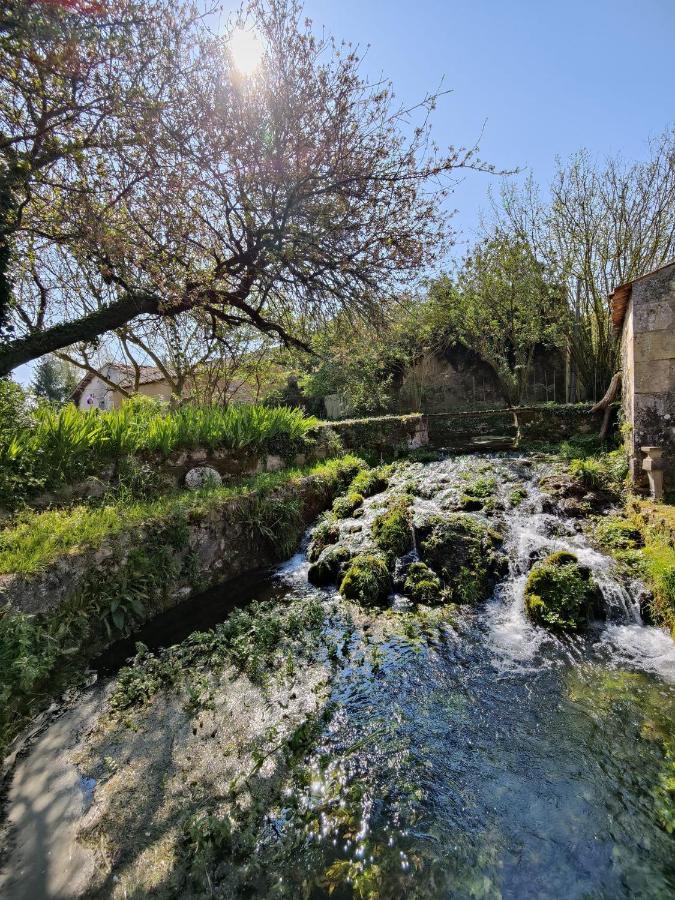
(217,541)
(648,365)
(389,435)
(458,379)
(498,428)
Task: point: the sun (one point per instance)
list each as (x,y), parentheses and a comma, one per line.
(246,50)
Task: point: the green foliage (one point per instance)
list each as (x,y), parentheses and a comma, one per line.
(51,446)
(370,482)
(329,567)
(482,487)
(503,305)
(517,496)
(37,539)
(422,584)
(462,551)
(325,533)
(254,640)
(54,380)
(392,530)
(560,594)
(343,507)
(367,580)
(605,472)
(618,533)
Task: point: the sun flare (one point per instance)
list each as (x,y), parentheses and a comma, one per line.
(246,50)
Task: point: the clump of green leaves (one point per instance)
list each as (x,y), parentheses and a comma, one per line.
(560,594)
(422,584)
(343,507)
(370,481)
(367,580)
(392,530)
(606,471)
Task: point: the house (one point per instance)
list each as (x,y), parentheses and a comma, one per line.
(93,392)
(643,314)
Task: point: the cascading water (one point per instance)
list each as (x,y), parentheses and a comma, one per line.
(494,759)
(467,753)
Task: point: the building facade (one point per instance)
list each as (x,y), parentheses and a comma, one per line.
(643,313)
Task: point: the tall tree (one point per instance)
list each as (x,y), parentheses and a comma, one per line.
(54,380)
(292,193)
(605,224)
(503,305)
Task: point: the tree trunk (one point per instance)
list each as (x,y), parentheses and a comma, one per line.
(606,402)
(24,349)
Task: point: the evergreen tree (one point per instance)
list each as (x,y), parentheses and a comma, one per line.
(54,380)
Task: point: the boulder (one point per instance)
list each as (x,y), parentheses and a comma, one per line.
(202,476)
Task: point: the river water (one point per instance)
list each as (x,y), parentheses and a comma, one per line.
(494,759)
(477,757)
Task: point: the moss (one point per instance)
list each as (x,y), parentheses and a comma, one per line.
(329,566)
(422,585)
(325,534)
(517,496)
(482,487)
(617,533)
(560,594)
(462,551)
(343,507)
(370,482)
(470,504)
(367,580)
(392,530)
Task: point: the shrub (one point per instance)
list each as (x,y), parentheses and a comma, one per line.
(343,507)
(367,580)
(560,594)
(392,531)
(607,471)
(51,447)
(422,585)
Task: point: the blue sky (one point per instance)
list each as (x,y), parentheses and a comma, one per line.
(546,77)
(543,78)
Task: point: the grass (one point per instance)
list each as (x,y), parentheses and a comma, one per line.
(38,539)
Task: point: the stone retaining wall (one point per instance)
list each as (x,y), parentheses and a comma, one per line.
(212,544)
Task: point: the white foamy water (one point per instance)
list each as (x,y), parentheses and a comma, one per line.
(517,643)
(641,647)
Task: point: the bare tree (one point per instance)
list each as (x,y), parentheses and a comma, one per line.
(292,194)
(603,226)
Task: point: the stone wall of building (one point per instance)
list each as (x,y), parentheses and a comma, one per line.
(648,366)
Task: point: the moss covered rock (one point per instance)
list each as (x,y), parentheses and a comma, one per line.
(343,507)
(369,482)
(329,567)
(422,585)
(325,534)
(367,580)
(392,530)
(560,594)
(463,552)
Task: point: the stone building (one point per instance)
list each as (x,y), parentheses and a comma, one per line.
(643,313)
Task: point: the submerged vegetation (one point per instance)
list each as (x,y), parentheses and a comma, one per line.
(39,653)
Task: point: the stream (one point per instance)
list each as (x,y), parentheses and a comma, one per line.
(481,757)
